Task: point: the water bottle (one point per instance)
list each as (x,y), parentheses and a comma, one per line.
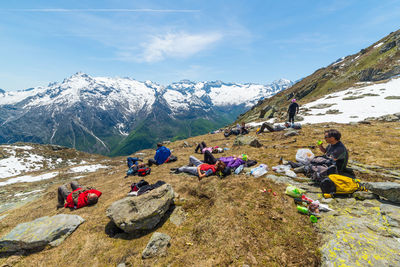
(239,169)
(302,209)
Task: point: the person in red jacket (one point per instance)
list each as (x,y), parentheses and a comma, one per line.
(80,196)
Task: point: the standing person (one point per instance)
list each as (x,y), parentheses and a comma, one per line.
(293,110)
(81,196)
(162,155)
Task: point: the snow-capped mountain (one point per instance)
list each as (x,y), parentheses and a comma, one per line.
(95,114)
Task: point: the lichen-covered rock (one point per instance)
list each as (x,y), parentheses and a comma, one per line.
(37,234)
(178,216)
(142,212)
(157,245)
(246,140)
(388,190)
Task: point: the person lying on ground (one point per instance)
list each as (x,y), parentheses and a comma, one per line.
(80,196)
(229,132)
(277,127)
(163,155)
(133,161)
(202,147)
(232,162)
(243,129)
(200,169)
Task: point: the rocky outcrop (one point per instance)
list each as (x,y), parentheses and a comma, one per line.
(246,140)
(157,245)
(37,234)
(387,47)
(142,212)
(388,190)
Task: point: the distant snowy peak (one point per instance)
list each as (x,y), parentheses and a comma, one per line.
(106,93)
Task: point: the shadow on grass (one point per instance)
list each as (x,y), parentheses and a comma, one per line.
(113,231)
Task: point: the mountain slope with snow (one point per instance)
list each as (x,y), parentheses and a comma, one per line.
(95,114)
(377,63)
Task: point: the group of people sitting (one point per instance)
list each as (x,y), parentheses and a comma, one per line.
(334,160)
(82,196)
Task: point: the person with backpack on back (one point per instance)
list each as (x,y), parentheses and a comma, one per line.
(163,155)
(80,196)
(293,110)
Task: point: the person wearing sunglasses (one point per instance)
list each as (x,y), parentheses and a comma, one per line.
(335,149)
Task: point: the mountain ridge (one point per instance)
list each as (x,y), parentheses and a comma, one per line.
(96,114)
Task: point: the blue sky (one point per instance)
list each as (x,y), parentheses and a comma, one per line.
(166,41)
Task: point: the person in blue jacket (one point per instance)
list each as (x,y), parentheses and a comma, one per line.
(162,155)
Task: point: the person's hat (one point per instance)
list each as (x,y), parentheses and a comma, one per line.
(244,157)
(293,100)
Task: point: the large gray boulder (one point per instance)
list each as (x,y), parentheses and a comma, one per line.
(157,245)
(142,212)
(37,234)
(388,190)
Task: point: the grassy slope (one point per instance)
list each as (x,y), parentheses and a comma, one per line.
(229,221)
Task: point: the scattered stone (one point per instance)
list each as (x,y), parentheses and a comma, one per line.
(122,264)
(388,190)
(397,115)
(186,144)
(322,106)
(333,111)
(157,245)
(291,132)
(37,234)
(392,97)
(365,122)
(142,212)
(388,118)
(166,142)
(178,216)
(353,97)
(279,179)
(246,140)
(362,195)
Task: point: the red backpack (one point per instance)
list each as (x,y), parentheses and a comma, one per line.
(143,171)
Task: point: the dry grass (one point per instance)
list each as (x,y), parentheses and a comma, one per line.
(230,222)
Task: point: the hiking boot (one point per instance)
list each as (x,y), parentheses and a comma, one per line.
(175,170)
(299,169)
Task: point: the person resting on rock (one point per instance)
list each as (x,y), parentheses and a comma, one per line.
(163,155)
(81,196)
(277,127)
(200,169)
(202,147)
(334,160)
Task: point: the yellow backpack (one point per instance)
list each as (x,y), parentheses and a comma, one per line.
(339,184)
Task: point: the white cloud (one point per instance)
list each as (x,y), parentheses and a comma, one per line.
(177,45)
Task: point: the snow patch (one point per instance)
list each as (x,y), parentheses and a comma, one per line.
(29,179)
(356,109)
(87,168)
